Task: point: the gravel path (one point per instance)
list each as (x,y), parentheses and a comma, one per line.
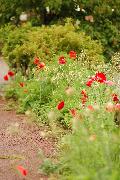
(20,141)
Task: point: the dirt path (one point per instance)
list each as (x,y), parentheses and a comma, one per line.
(20,141)
(18,138)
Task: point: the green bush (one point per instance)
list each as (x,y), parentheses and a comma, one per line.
(4,31)
(13,39)
(103,27)
(109,38)
(24,43)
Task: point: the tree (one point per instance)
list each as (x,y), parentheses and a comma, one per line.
(98,18)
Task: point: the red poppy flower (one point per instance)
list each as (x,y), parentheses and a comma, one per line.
(73,112)
(21,84)
(11,73)
(22,170)
(90,107)
(41,65)
(72,54)
(36,61)
(60,105)
(100,77)
(83,92)
(62,60)
(89,82)
(84,100)
(84,97)
(115,98)
(6,77)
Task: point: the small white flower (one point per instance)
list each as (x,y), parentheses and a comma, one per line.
(78,8)
(77,22)
(83,10)
(48,9)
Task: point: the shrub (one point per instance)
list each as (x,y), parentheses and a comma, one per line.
(109,38)
(24,43)
(4,31)
(13,50)
(104,23)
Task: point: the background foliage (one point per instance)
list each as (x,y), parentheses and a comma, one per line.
(22,44)
(106,17)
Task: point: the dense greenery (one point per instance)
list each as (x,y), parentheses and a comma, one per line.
(59,77)
(91,151)
(103,23)
(45,88)
(21,45)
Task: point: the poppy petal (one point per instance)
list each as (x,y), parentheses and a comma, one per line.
(115,97)
(72,54)
(22,170)
(73,112)
(90,107)
(11,73)
(6,77)
(36,61)
(62,60)
(100,77)
(60,105)
(41,65)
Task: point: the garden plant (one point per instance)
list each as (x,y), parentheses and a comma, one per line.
(59,76)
